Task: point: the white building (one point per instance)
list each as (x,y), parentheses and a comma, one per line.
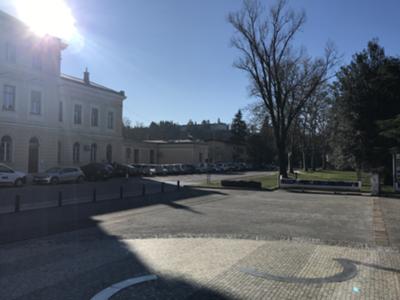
(47,118)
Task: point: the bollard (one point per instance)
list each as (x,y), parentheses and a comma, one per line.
(162,187)
(17,203)
(59,199)
(94,195)
(143,189)
(121,192)
(178,184)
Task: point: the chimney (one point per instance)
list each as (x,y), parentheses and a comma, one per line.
(86,76)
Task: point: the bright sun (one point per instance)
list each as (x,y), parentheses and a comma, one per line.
(52,17)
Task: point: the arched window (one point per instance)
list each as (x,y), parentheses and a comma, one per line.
(93,152)
(109,153)
(5,149)
(76,153)
(128,154)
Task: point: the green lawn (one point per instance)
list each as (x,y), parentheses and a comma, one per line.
(270,181)
(336,176)
(267,181)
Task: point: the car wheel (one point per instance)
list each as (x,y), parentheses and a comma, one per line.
(19,182)
(79,179)
(54,180)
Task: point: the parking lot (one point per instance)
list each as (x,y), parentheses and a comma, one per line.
(34,196)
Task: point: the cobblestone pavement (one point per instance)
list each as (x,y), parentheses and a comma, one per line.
(195,268)
(216,245)
(217,265)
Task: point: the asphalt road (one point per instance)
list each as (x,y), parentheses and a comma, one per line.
(39,196)
(197,242)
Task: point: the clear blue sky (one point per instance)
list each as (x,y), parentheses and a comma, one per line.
(173,58)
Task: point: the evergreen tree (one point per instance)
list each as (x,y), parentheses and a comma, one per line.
(366,91)
(238,129)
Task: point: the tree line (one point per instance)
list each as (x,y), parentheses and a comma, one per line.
(317,115)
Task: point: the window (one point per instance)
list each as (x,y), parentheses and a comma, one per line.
(95,117)
(93,152)
(128,154)
(78,114)
(200,157)
(5,149)
(11,53)
(152,156)
(136,156)
(59,152)
(76,153)
(36,61)
(110,120)
(109,153)
(36,103)
(9,98)
(4,169)
(60,112)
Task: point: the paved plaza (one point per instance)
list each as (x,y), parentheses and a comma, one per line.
(209,244)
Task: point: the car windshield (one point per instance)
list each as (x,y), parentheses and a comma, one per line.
(231,149)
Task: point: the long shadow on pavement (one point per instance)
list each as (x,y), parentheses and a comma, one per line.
(78,265)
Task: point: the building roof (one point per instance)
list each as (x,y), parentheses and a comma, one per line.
(91,84)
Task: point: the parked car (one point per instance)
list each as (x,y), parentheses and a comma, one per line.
(201,168)
(58,175)
(97,171)
(121,170)
(170,169)
(8,176)
(190,169)
(145,170)
(160,170)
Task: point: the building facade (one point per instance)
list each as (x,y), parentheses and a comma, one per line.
(223,151)
(51,119)
(47,118)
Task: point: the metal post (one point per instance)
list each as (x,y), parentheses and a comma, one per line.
(121,192)
(178,184)
(17,203)
(143,189)
(394,171)
(94,195)
(59,199)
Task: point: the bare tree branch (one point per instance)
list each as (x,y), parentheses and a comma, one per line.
(283,77)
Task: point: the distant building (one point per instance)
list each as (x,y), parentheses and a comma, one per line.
(212,126)
(176,151)
(224,151)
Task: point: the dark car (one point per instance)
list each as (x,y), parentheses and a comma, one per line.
(97,171)
(122,170)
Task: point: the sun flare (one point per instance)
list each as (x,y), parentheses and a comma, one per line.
(52,17)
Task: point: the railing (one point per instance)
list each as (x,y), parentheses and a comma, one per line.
(92,198)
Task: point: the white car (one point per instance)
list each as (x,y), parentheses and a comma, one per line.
(10,177)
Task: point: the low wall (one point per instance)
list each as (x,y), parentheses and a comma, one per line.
(355,186)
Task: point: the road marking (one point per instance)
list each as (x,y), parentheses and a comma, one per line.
(107,293)
(349,272)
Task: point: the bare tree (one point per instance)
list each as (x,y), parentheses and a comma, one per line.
(283,77)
